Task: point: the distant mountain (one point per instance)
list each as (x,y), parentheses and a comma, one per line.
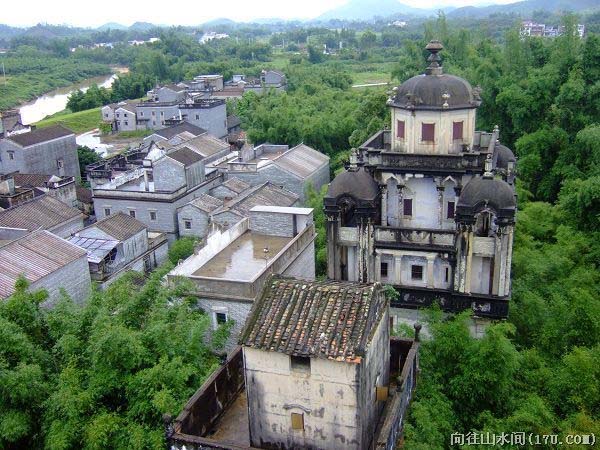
(219,22)
(525,8)
(367,9)
(112,26)
(142,26)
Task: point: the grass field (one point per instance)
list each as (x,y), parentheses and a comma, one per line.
(79,122)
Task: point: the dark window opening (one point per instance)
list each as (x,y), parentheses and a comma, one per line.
(187,224)
(400,129)
(384,269)
(407,207)
(152,215)
(132,213)
(107,211)
(482,225)
(347,213)
(428,132)
(300,363)
(457,131)
(450,214)
(220,318)
(447,274)
(416,272)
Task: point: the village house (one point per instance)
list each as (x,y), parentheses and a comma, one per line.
(429,205)
(50,150)
(152,190)
(196,218)
(61,188)
(47,262)
(175,134)
(42,213)
(12,195)
(122,116)
(293,168)
(228,273)
(117,244)
(229,189)
(317,369)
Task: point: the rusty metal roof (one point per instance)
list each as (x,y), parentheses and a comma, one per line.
(120,226)
(34,256)
(302,160)
(324,319)
(44,212)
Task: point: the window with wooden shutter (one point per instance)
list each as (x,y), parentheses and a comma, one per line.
(450,213)
(400,129)
(457,131)
(428,132)
(297,421)
(381,393)
(407,207)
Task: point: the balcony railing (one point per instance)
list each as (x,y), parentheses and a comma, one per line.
(410,237)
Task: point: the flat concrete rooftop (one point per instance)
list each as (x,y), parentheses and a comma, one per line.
(244,258)
(232,426)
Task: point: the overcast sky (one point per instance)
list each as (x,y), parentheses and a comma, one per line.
(182,12)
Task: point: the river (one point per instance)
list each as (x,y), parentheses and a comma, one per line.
(56,100)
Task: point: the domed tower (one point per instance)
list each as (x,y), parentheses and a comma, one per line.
(426,105)
(352,205)
(485,217)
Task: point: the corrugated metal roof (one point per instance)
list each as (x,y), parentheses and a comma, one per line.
(96,249)
(302,160)
(120,226)
(324,319)
(44,212)
(34,256)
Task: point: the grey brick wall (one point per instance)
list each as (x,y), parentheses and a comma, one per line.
(41,158)
(236,310)
(66,229)
(213,120)
(198,218)
(275,224)
(304,265)
(74,278)
(168,175)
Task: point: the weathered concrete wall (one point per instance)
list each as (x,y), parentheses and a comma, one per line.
(66,229)
(304,265)
(74,278)
(126,120)
(275,175)
(236,310)
(194,174)
(156,114)
(327,397)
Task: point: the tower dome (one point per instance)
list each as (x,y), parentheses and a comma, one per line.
(435,90)
(486,192)
(357,183)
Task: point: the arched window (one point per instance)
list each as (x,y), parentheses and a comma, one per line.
(347,212)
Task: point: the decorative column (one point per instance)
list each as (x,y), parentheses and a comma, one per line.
(384,205)
(430,262)
(469,261)
(333,255)
(398,268)
(499,262)
(377,267)
(440,193)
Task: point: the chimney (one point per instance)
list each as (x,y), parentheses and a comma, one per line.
(146,182)
(7,186)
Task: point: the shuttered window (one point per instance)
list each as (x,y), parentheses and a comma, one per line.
(400,129)
(407,206)
(428,132)
(297,421)
(457,131)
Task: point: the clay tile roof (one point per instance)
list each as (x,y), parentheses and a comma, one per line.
(266,194)
(325,319)
(84,195)
(185,156)
(206,202)
(120,226)
(236,185)
(169,132)
(31,179)
(34,256)
(44,212)
(40,135)
(301,160)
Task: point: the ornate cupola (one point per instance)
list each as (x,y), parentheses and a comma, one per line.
(433,112)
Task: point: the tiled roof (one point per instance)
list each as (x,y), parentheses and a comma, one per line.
(30,179)
(128,106)
(233,121)
(206,145)
(44,212)
(173,87)
(40,135)
(301,160)
(236,185)
(34,256)
(185,156)
(120,226)
(324,319)
(267,194)
(169,132)
(84,195)
(206,202)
